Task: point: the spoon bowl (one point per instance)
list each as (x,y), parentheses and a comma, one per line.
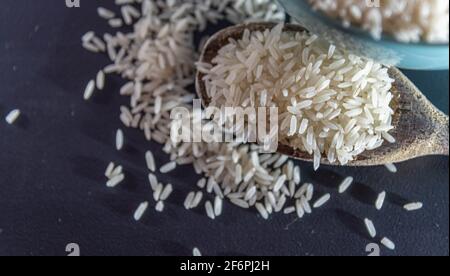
(420,128)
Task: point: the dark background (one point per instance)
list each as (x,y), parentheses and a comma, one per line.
(52,163)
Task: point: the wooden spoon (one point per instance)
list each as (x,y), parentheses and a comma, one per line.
(420,128)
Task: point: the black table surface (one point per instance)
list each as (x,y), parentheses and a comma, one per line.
(52,162)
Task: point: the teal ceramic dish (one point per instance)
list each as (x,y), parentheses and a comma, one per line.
(417,56)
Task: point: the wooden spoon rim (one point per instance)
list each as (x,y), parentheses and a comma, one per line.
(403,91)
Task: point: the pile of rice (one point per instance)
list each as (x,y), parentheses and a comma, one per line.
(157,58)
(330,102)
(405,20)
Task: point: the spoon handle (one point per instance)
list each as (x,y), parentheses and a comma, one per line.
(441,135)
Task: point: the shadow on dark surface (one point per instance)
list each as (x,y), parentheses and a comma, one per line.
(61,58)
(130,148)
(23,122)
(231,253)
(117,204)
(327,178)
(353,223)
(173,248)
(151,218)
(396,199)
(105,97)
(84,166)
(93,130)
(131,183)
(363,193)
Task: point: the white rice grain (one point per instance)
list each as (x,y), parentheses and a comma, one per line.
(197,199)
(159,207)
(117,170)
(196,252)
(380,200)
(413,206)
(100,80)
(309,192)
(157,192)
(12,116)
(299,209)
(87,37)
(297,175)
(150,160)
(289,210)
(388,243)
(140,211)
(391,167)
(115,22)
(119,139)
(322,201)
(279,183)
(346,183)
(262,210)
(153,181)
(239,202)
(105,13)
(168,167)
(209,210)
(370,228)
(109,169)
(305,205)
(89,91)
(116,180)
(188,200)
(218,205)
(166,192)
(201,183)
